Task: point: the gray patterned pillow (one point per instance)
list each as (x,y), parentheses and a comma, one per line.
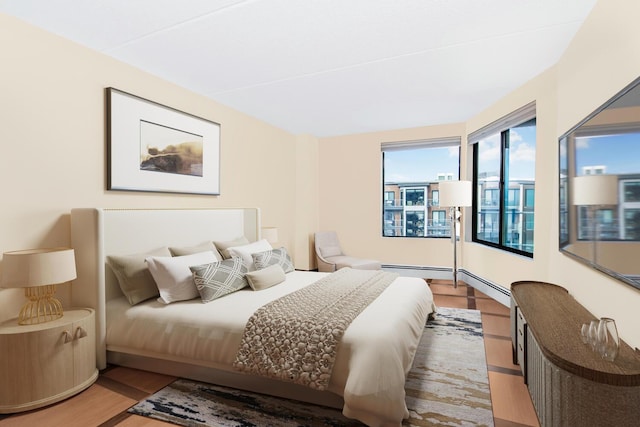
(219,278)
(275,256)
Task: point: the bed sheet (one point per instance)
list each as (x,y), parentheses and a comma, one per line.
(372,361)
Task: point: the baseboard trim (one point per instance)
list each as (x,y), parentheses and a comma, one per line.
(493,290)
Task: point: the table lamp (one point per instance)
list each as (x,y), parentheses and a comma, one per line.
(455,194)
(38,271)
(270,234)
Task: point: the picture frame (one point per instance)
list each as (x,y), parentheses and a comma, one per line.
(156,148)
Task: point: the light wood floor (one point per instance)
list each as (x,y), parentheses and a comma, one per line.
(105,403)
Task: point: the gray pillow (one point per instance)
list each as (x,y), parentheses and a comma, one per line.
(134,278)
(273,257)
(219,278)
(265,278)
(223,246)
(190,250)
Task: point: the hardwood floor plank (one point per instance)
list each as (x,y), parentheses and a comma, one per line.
(142,380)
(511,400)
(122,389)
(496,325)
(92,407)
(499,353)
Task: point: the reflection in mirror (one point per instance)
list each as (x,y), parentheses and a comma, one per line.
(600,188)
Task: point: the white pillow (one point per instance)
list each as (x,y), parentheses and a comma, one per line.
(245,252)
(173,276)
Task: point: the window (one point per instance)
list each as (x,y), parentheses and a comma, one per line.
(504,182)
(597,151)
(630,227)
(439,224)
(414,223)
(414,196)
(389,198)
(411,171)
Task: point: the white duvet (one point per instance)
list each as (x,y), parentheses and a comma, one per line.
(373,359)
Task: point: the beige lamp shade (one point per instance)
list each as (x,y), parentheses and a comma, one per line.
(593,190)
(270,234)
(455,193)
(38,271)
(38,267)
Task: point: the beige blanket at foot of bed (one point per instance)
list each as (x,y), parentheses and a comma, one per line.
(296,337)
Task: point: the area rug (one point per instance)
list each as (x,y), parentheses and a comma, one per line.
(447,386)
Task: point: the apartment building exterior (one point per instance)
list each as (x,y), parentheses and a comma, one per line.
(412,209)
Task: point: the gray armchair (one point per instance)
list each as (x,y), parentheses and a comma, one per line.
(330,257)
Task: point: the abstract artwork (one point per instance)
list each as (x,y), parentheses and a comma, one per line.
(152,147)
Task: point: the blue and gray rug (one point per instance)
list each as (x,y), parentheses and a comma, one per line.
(447,386)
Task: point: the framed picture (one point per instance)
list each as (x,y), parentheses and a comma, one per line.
(152,147)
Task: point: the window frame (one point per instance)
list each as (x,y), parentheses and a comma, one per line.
(501,127)
(427,206)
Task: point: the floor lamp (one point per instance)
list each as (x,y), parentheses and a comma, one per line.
(594,191)
(454,195)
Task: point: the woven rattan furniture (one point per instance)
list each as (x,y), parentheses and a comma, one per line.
(569,383)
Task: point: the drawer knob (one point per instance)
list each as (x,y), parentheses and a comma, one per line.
(80,333)
(67,337)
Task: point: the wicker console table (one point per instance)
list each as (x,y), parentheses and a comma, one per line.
(570,384)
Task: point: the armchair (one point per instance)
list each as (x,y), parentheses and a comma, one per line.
(329,255)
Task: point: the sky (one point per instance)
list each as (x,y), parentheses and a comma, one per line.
(619,153)
(419,165)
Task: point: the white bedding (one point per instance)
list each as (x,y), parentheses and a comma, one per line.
(372,361)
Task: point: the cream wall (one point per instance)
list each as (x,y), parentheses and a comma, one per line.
(52,135)
(306,201)
(602,59)
(350,177)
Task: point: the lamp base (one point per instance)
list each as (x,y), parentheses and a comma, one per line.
(42,306)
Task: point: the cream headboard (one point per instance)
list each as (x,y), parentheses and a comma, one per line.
(97,233)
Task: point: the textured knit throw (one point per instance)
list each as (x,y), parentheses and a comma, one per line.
(295,338)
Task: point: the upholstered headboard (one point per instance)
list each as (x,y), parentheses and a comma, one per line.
(97,233)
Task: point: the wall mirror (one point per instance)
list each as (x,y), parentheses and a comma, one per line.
(600,188)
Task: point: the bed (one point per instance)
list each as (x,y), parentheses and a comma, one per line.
(200,341)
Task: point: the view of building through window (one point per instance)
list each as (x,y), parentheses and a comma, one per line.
(595,155)
(411,206)
(505,188)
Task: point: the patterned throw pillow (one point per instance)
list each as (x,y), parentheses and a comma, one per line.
(245,252)
(276,256)
(219,278)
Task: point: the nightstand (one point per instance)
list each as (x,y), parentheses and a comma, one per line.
(48,362)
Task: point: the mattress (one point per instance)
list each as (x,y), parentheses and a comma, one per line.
(372,361)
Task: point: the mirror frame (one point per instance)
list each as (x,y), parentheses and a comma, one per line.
(566,210)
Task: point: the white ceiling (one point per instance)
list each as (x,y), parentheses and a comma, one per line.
(327,67)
